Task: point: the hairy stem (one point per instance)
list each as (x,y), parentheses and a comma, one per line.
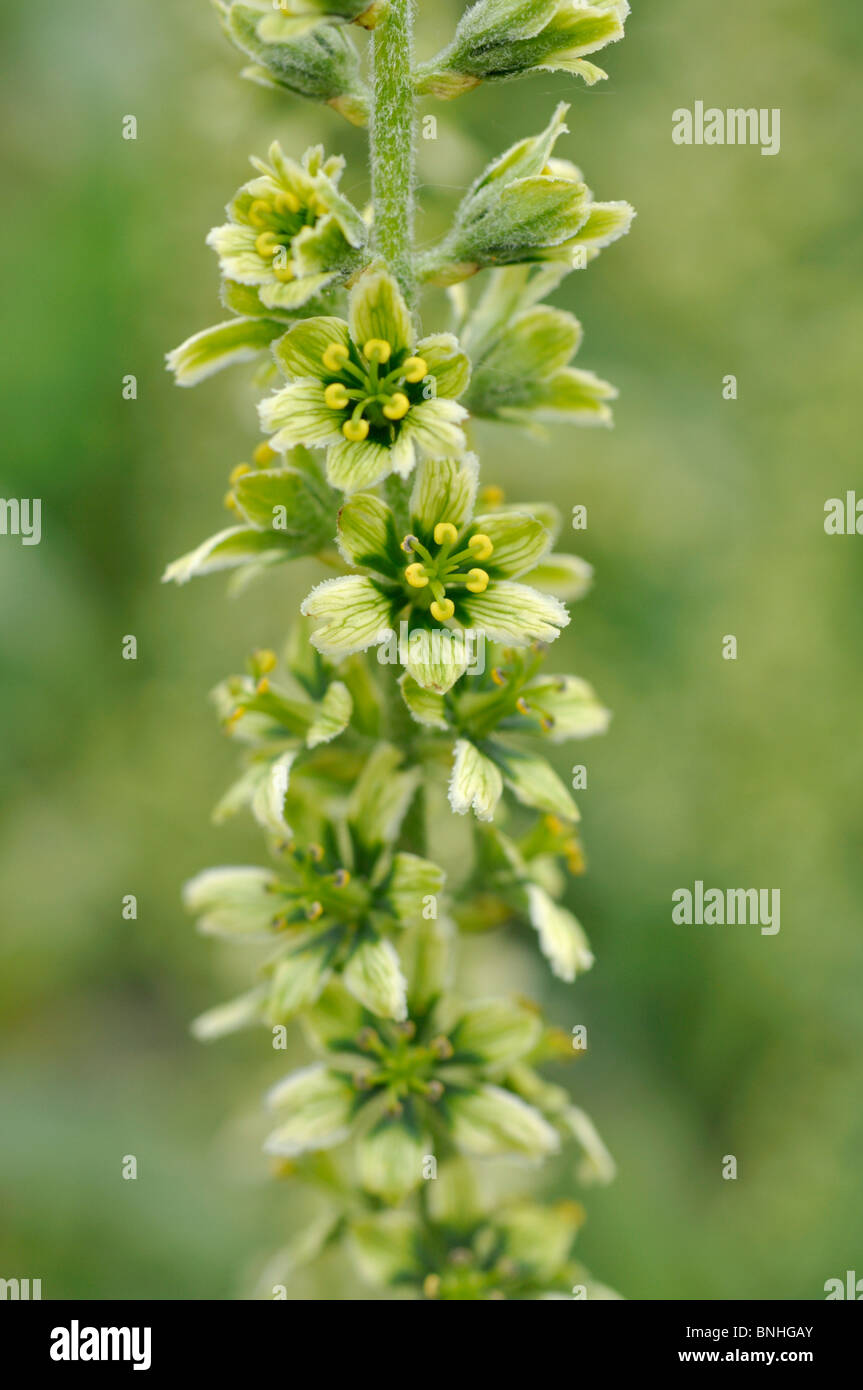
(392,141)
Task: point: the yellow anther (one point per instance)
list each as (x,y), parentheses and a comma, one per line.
(480,546)
(445,533)
(414,369)
(259,213)
(263,686)
(267,244)
(522,706)
(498,676)
(239,472)
(553,825)
(314,911)
(264,454)
(286,202)
(229,502)
(477,581)
(336,396)
(442,610)
(284,272)
(493,496)
(546,723)
(377,350)
(335,356)
(416,576)
(398,407)
(431,1285)
(355,430)
(316,853)
(341,878)
(234,718)
(265,660)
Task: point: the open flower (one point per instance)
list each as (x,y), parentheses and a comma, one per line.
(500,39)
(406,1089)
(367,390)
(526,207)
(442,572)
(290,232)
(456,1251)
(332,907)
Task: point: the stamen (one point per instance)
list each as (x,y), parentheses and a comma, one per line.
(481,545)
(434,1089)
(341,878)
(398,407)
(498,676)
(286,202)
(335,356)
(237,473)
(265,660)
(316,853)
(314,911)
(477,581)
(229,502)
(377,350)
(408,544)
(356,430)
(522,706)
(442,1047)
(267,244)
(264,454)
(445,533)
(284,272)
(414,369)
(442,610)
(263,686)
(416,576)
(259,213)
(493,496)
(336,396)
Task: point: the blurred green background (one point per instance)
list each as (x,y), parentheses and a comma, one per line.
(705,518)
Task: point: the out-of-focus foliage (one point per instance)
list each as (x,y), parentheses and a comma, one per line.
(705,518)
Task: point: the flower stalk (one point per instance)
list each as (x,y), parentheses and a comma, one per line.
(416,683)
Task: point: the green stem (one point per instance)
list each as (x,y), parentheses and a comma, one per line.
(392,142)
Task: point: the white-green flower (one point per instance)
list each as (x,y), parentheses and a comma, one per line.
(294,17)
(501,39)
(444,573)
(527,207)
(290,232)
(367,391)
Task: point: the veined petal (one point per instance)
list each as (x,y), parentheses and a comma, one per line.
(495,1033)
(229,1018)
(426,706)
(367,535)
(561,937)
(230,549)
(446,362)
(300,352)
(597,1164)
(604,224)
(238,256)
(233,901)
(516,614)
(475,783)
(391,1159)
(437,657)
(572,705)
(519,541)
(350,614)
(444,491)
(238,340)
(433,427)
(293,294)
(298,414)
(299,979)
(377,309)
(538,1238)
(353,466)
(564,576)
(534,781)
(316,1107)
(410,882)
(268,800)
(332,716)
(491,1122)
(374,977)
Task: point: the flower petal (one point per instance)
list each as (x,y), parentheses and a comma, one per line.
(350,614)
(352,466)
(374,977)
(391,1159)
(299,414)
(534,782)
(238,340)
(516,614)
(410,882)
(367,535)
(316,1107)
(572,705)
(495,1033)
(561,938)
(300,352)
(233,902)
(475,783)
(377,309)
(446,362)
(491,1121)
(564,576)
(444,491)
(519,541)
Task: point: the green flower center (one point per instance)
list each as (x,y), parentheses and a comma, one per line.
(402,1068)
(318,891)
(277,220)
(445,569)
(375,387)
